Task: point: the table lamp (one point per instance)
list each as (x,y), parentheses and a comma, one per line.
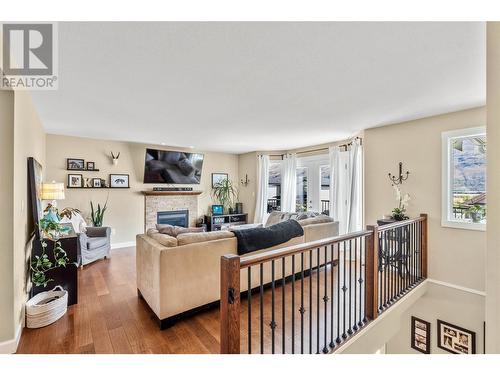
(52,191)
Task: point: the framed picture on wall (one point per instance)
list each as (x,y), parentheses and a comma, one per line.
(218,177)
(455,339)
(420,335)
(75,180)
(96,182)
(75,164)
(119,181)
(90,165)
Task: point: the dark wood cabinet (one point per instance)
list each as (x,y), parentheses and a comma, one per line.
(67,277)
(220,222)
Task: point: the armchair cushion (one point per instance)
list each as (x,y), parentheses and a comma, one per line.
(98,231)
(96,242)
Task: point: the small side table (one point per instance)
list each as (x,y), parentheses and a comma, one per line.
(67,277)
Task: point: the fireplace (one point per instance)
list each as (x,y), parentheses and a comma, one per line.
(179,218)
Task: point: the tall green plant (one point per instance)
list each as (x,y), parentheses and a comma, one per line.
(97,215)
(224,192)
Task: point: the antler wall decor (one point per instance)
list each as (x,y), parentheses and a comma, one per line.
(399,180)
(115,158)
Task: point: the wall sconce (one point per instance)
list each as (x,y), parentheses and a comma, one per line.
(399,180)
(246,181)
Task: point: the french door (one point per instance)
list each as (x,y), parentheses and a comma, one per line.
(313,184)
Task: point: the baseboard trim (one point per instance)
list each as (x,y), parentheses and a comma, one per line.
(458,287)
(10,346)
(120,245)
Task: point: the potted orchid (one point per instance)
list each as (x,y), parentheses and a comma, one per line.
(399,213)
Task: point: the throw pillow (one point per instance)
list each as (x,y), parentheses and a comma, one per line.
(174,231)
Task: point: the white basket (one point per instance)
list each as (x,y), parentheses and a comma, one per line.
(46,307)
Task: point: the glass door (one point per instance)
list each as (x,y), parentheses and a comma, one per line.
(313,184)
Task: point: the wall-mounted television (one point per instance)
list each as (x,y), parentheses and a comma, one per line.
(172,167)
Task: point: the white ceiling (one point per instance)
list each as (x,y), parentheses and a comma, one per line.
(238,87)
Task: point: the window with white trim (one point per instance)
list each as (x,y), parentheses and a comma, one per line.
(464,179)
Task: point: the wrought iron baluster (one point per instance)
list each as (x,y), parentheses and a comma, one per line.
(273,318)
(293,304)
(365,320)
(349,330)
(310,301)
(360,281)
(261,290)
(318,268)
(386,268)
(325,300)
(283,333)
(338,294)
(355,326)
(249,301)
(332,344)
(344,290)
(302,309)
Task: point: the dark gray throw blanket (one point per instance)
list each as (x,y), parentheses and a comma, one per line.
(253,239)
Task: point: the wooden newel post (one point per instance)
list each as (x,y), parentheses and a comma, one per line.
(230,304)
(423,242)
(371,273)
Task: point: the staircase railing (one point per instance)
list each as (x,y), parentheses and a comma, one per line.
(313,297)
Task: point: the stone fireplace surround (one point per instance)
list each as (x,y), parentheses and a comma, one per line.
(156,201)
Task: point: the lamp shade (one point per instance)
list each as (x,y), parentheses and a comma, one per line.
(53,191)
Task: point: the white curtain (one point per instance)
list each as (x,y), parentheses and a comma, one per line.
(347,187)
(262,185)
(289,183)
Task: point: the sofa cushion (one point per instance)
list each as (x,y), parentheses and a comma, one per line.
(163,239)
(174,231)
(276,217)
(96,242)
(187,238)
(316,220)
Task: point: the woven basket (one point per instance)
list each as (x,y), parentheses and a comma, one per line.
(46,307)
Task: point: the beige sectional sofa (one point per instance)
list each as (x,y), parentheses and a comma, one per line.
(178,276)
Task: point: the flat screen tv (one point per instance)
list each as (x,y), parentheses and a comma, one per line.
(172,167)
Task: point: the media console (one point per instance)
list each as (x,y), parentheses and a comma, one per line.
(221,222)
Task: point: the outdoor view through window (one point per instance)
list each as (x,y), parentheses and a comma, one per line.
(469,178)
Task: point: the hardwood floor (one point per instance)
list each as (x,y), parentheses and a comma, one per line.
(110,318)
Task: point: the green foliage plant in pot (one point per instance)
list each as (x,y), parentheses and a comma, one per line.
(225,193)
(97,214)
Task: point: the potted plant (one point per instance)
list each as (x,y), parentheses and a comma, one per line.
(476,213)
(224,192)
(97,215)
(399,213)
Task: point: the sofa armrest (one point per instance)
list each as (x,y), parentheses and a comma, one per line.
(98,231)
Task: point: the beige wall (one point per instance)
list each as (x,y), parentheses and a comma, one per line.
(456,256)
(6,227)
(29,140)
(22,136)
(126,207)
(460,308)
(493,232)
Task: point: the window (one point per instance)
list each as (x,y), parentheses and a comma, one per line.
(301,201)
(464,179)
(274,187)
(325,189)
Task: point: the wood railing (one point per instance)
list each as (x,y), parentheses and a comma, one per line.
(312,297)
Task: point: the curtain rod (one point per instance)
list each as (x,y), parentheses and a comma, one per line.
(323,148)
